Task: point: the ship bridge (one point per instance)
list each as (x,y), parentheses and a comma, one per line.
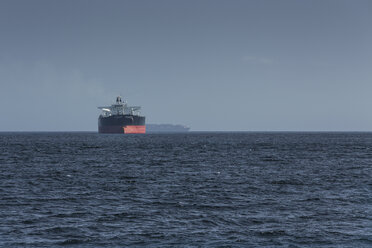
(120,108)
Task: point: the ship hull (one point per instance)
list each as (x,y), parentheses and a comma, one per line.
(122,124)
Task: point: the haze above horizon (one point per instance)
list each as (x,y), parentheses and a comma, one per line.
(211,65)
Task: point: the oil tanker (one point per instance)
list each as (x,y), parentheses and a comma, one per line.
(121,118)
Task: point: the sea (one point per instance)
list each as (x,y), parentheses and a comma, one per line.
(212,189)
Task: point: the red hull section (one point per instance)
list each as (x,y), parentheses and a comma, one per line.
(122,129)
(134,129)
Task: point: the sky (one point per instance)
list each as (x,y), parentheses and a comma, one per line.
(213,65)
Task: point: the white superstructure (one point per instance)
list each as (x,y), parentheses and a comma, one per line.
(119,108)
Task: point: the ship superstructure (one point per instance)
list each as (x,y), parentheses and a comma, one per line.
(121,118)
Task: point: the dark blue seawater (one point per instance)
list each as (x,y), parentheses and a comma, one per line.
(194,190)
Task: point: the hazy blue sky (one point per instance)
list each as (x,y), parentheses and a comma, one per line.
(212,65)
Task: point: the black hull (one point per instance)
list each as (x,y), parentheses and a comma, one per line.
(121,124)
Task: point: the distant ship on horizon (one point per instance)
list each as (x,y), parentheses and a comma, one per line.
(167,128)
(121,118)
